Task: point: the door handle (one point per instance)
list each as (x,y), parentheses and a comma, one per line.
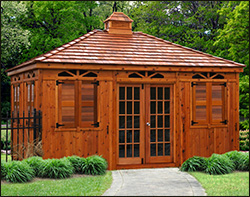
(148,124)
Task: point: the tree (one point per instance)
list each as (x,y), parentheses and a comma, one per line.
(14,39)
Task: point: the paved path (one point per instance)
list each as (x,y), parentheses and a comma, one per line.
(154,182)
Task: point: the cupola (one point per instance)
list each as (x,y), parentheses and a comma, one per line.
(118,23)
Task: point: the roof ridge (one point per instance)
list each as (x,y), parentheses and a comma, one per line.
(65,46)
(178,45)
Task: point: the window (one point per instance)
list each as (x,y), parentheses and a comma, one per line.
(77,104)
(30,87)
(209,100)
(16,92)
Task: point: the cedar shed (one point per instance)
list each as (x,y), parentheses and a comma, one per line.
(137,100)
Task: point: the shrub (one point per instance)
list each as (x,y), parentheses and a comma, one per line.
(77,162)
(95,165)
(17,171)
(55,168)
(195,163)
(235,157)
(3,170)
(34,163)
(244,140)
(244,162)
(219,164)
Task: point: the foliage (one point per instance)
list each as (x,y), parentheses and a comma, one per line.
(3,170)
(244,101)
(234,184)
(77,162)
(244,140)
(219,164)
(76,186)
(195,163)
(95,165)
(244,162)
(34,163)
(55,168)
(17,171)
(235,157)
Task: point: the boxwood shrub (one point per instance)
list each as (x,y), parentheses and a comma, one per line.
(55,168)
(195,163)
(17,171)
(95,165)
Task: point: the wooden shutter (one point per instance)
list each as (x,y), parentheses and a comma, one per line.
(66,104)
(200,108)
(16,89)
(30,95)
(88,104)
(218,103)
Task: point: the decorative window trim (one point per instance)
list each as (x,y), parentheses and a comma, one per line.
(145,74)
(208,75)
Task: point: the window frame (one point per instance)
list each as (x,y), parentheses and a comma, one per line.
(209,104)
(60,126)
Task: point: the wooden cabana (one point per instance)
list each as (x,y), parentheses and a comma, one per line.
(137,100)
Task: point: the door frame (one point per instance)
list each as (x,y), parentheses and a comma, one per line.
(172,85)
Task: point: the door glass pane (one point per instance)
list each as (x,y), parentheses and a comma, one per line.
(136,121)
(167,121)
(167,109)
(129,121)
(129,93)
(160,121)
(122,107)
(160,93)
(160,135)
(122,93)
(137,136)
(152,149)
(152,135)
(152,93)
(129,107)
(160,107)
(122,122)
(129,150)
(137,93)
(200,92)
(152,121)
(136,150)
(167,93)
(129,136)
(167,149)
(152,107)
(167,135)
(217,92)
(121,150)
(160,149)
(136,108)
(121,136)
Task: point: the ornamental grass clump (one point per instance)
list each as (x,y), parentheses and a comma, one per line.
(55,168)
(195,163)
(244,162)
(219,164)
(235,157)
(18,172)
(95,165)
(77,162)
(34,163)
(3,170)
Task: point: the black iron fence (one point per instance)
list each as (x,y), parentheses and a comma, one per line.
(21,134)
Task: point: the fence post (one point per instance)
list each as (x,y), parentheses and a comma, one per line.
(18,121)
(12,120)
(23,132)
(6,142)
(39,125)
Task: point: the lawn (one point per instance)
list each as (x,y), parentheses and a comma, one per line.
(78,186)
(3,157)
(233,184)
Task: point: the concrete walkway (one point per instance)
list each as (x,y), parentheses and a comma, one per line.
(154,182)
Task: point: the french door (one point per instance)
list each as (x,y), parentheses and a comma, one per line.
(145,124)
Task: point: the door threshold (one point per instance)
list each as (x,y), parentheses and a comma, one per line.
(138,166)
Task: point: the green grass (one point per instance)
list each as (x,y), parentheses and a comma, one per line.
(234,184)
(3,157)
(80,186)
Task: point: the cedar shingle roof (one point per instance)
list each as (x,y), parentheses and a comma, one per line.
(118,16)
(100,47)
